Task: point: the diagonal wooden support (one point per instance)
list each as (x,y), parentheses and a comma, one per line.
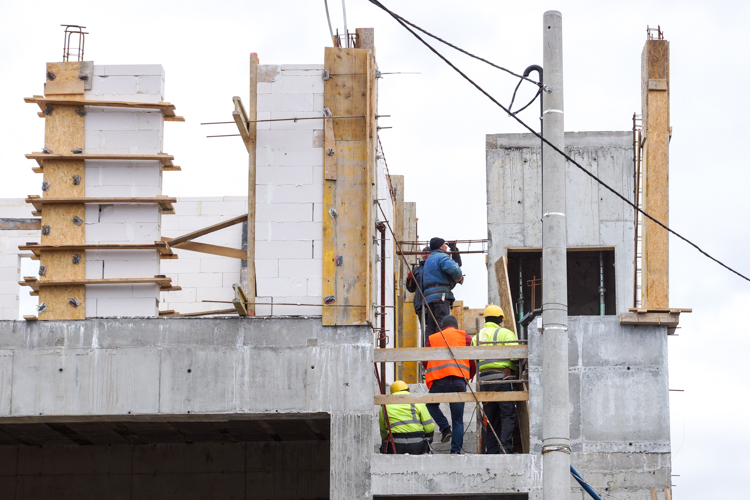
(240,300)
(206,230)
(242,121)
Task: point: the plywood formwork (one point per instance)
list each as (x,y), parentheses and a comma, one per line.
(348,219)
(656,129)
(63,132)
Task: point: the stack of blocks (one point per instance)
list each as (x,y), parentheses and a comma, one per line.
(123,131)
(10,256)
(289,218)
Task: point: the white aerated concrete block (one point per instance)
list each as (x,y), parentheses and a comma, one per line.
(264,115)
(184,295)
(150,85)
(129,213)
(215,293)
(274,287)
(267,268)
(131,268)
(9,288)
(130,307)
(317,212)
(102,85)
(284,212)
(298,84)
(293,231)
(230,279)
(148,290)
(9,273)
(132,141)
(226,265)
(288,310)
(302,67)
(201,280)
(315,287)
(303,268)
(285,175)
(122,232)
(318,102)
(317,249)
(283,249)
(129,69)
(285,102)
(229,209)
(94,292)
(120,120)
(281,139)
(182,265)
(317,123)
(271,155)
(94,269)
(264,88)
(299,194)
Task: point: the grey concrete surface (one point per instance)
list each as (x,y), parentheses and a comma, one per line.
(595,217)
(138,368)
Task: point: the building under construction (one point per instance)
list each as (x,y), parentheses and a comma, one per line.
(241,347)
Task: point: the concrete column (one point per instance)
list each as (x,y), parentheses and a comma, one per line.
(555,419)
(351,450)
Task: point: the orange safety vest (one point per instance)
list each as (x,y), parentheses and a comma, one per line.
(446,368)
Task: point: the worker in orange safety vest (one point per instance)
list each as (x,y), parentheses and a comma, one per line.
(447,376)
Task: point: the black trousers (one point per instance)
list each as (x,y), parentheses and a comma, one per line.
(403,448)
(440,309)
(502,417)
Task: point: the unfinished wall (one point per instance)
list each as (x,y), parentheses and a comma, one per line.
(595,217)
(123,131)
(10,256)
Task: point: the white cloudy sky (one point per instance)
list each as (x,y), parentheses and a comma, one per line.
(437,141)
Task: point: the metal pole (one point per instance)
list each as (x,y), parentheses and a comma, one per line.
(556,427)
(601,283)
(521,329)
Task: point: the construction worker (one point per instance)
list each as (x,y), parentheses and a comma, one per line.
(500,415)
(411,425)
(415,280)
(449,376)
(440,275)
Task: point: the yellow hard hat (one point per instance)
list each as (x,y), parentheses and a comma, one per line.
(495,311)
(399,385)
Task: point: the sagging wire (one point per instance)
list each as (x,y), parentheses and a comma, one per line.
(440,330)
(330,28)
(397,17)
(555,148)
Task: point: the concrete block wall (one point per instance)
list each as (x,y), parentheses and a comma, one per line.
(595,217)
(10,257)
(123,131)
(289,227)
(203,276)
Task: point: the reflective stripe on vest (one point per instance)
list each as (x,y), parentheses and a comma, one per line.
(485,362)
(414,420)
(410,440)
(447,368)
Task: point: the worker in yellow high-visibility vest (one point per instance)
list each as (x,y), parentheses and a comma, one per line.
(411,425)
(501,415)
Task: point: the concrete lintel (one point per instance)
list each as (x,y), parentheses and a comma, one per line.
(572,139)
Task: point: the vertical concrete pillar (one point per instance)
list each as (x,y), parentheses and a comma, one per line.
(351,449)
(556,425)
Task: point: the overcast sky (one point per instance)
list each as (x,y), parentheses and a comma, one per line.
(437,140)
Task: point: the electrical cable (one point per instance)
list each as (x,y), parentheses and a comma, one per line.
(330,28)
(397,17)
(555,148)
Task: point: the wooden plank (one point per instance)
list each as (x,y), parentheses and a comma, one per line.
(650,319)
(329,145)
(42,158)
(410,332)
(203,313)
(242,121)
(451,397)
(36,284)
(160,246)
(240,300)
(164,202)
(655,112)
(503,289)
(252,196)
(30,318)
(20,224)
(166,108)
(347,202)
(661,310)
(441,353)
(66,71)
(400,269)
(206,230)
(194,246)
(61,87)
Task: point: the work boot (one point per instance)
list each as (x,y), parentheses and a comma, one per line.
(446,437)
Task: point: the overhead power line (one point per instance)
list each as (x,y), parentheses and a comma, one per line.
(404,23)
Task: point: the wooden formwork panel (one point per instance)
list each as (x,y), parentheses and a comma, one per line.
(348,200)
(58,302)
(60,176)
(64,131)
(503,289)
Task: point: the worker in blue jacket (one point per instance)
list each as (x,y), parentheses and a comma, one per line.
(439,276)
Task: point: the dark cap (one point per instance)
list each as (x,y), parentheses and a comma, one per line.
(436,243)
(449,321)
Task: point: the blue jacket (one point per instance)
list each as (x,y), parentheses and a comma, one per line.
(440,273)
